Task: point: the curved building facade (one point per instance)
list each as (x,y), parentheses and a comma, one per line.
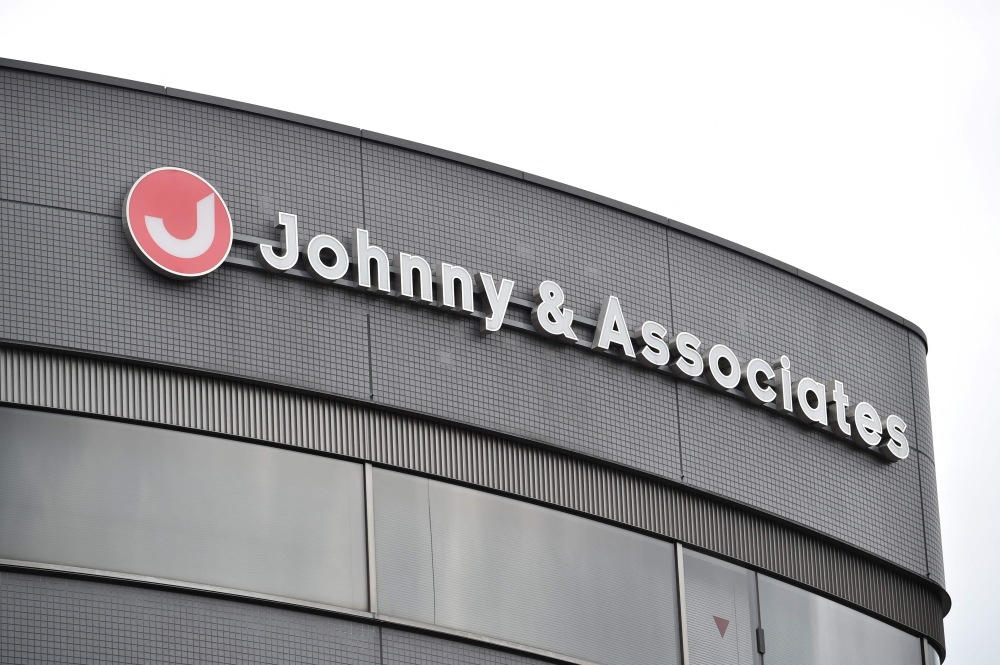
(277,389)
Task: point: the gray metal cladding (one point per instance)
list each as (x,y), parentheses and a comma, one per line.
(114,389)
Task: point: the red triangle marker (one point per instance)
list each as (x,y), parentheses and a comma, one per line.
(721,624)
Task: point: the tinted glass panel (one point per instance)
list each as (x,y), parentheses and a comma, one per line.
(403,570)
(931,656)
(111,496)
(527,574)
(806,629)
(721,611)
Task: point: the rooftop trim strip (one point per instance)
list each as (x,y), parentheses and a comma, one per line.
(469,161)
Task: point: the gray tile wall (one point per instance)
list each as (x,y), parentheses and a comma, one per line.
(524,386)
(745,453)
(69,150)
(71,280)
(403,648)
(922,432)
(759,311)
(450,212)
(48,619)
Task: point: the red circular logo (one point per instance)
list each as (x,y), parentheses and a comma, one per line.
(177,223)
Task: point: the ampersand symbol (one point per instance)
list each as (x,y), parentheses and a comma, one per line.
(549,316)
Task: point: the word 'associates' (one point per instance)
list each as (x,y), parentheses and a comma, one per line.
(764,383)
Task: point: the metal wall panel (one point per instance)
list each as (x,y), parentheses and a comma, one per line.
(101,387)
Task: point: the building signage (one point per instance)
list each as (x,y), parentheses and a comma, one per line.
(179,225)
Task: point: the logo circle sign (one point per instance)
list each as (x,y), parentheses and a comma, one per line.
(177,223)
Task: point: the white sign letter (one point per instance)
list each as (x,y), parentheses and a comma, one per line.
(611,328)
(496,301)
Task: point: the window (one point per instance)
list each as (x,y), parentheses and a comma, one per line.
(721,609)
(803,628)
(109,496)
(473,561)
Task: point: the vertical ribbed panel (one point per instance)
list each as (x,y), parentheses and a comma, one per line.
(34,378)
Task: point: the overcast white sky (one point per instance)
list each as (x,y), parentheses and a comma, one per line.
(859,141)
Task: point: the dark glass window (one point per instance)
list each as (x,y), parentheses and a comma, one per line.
(721,611)
(485,564)
(805,629)
(146,501)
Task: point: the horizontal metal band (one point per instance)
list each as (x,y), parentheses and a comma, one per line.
(227,407)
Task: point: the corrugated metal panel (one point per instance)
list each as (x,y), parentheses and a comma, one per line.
(71,383)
